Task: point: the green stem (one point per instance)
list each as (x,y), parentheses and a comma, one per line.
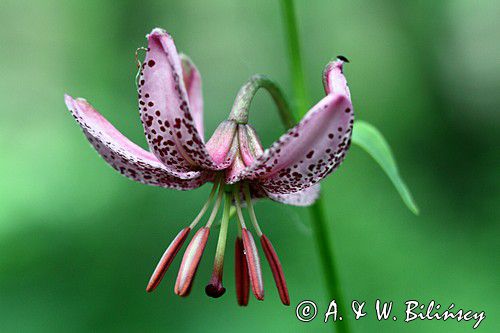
(292,35)
(321,232)
(317,211)
(241,106)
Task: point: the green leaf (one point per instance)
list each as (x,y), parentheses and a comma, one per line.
(373,142)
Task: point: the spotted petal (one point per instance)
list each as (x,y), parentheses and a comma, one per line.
(302,198)
(334,80)
(308,152)
(192,81)
(165,110)
(125,156)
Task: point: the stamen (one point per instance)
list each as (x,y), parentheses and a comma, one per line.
(203,210)
(190,262)
(237,203)
(215,288)
(253,262)
(274,262)
(215,210)
(174,247)
(240,261)
(167,259)
(241,272)
(251,212)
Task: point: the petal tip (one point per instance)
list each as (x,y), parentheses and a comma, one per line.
(68,100)
(158,33)
(342,58)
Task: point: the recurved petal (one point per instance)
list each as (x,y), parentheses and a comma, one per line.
(334,80)
(250,146)
(192,81)
(222,145)
(165,109)
(302,198)
(308,152)
(125,156)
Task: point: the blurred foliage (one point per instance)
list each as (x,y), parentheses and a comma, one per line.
(373,142)
(78,241)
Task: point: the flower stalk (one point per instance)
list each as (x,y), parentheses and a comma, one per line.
(317,212)
(239,112)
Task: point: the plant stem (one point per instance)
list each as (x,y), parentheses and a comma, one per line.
(241,106)
(317,211)
(325,249)
(299,86)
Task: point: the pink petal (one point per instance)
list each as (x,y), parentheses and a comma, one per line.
(334,80)
(250,146)
(165,110)
(222,141)
(125,156)
(308,152)
(192,81)
(248,149)
(236,167)
(302,198)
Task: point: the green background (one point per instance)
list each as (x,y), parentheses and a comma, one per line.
(78,241)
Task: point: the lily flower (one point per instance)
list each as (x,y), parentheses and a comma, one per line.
(233,159)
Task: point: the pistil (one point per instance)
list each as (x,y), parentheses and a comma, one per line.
(215,288)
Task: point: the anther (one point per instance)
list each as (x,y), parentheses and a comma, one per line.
(174,247)
(253,262)
(276,268)
(167,259)
(241,273)
(190,262)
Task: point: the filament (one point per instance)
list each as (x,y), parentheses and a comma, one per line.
(215,210)
(239,213)
(207,203)
(251,212)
